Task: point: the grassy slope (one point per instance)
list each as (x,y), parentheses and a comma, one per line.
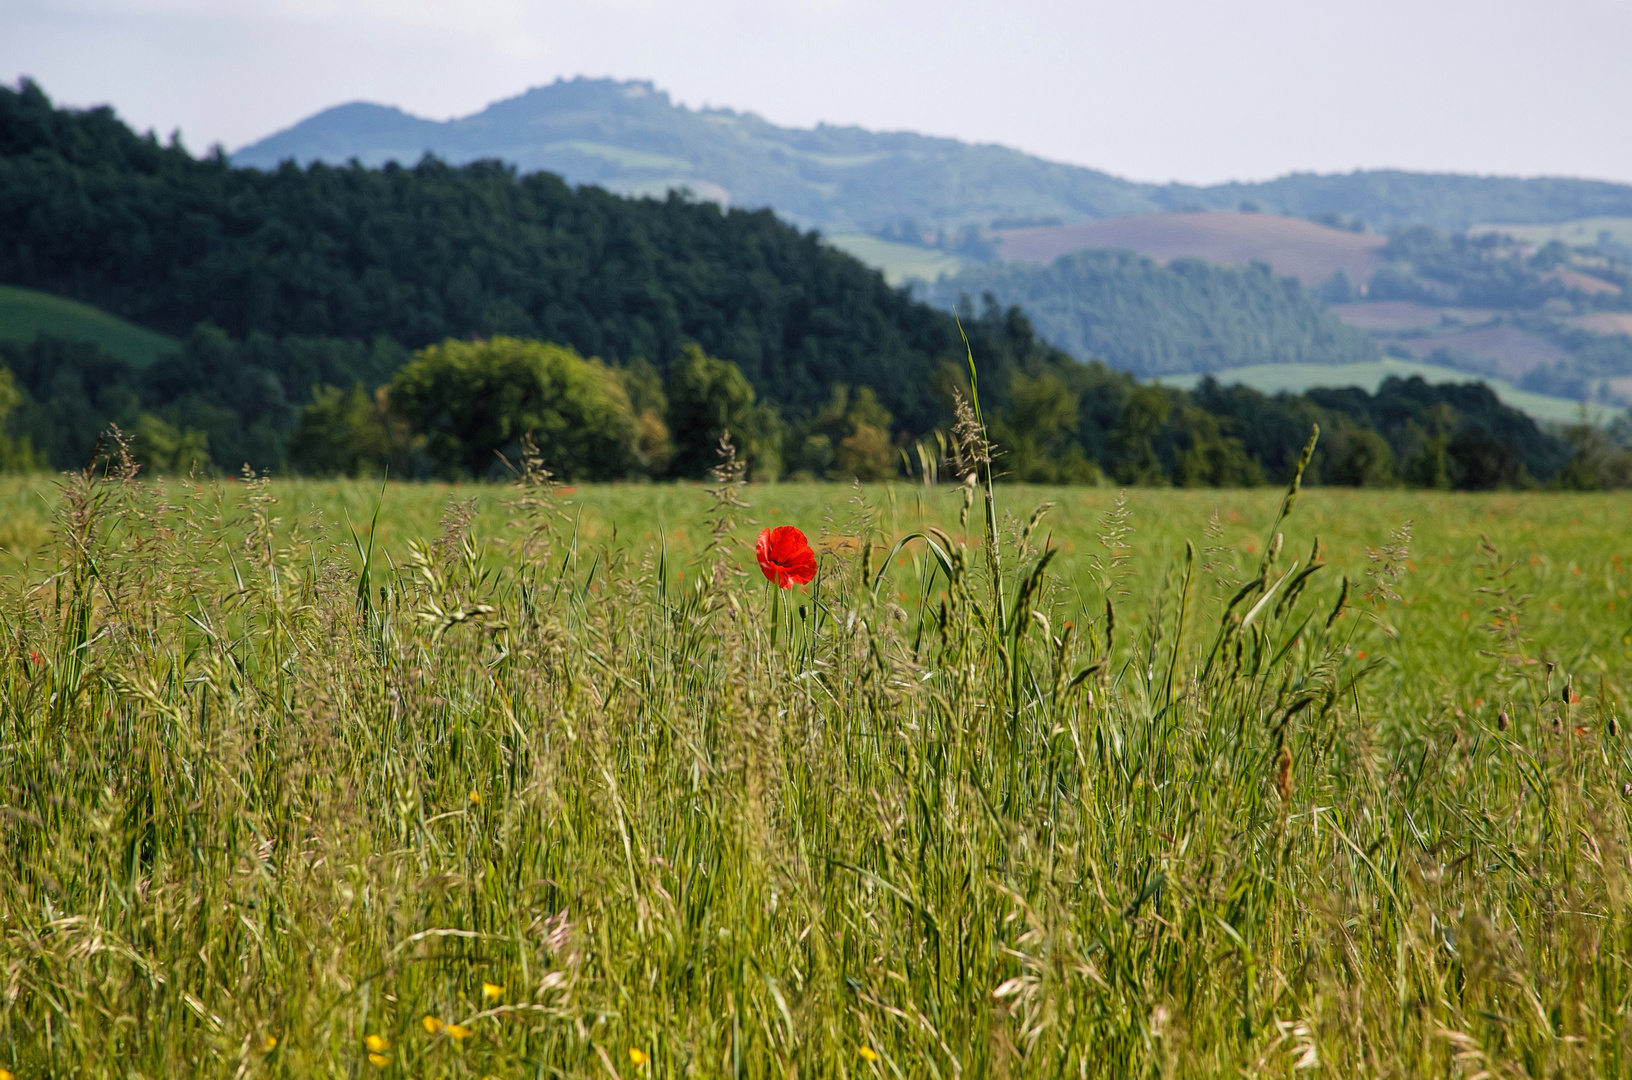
(898,262)
(1273,378)
(25,314)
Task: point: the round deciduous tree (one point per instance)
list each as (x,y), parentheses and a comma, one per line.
(476,400)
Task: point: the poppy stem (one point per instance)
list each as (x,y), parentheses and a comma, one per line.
(776,612)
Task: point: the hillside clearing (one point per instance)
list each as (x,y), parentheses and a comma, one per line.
(26,313)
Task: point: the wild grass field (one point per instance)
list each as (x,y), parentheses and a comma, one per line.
(550,782)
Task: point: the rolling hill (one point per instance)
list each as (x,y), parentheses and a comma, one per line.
(631,138)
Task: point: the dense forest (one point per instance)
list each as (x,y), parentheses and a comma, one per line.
(95,212)
(434,320)
(1150,319)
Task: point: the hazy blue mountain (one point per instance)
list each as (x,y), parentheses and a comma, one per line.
(631,138)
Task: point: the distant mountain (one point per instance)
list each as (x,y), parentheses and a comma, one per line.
(631,138)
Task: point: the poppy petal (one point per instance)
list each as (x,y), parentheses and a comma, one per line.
(785,556)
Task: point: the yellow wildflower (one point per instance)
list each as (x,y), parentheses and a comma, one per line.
(491,991)
(432,1025)
(475,797)
(269,1043)
(868,1053)
(6,1075)
(379,1061)
(639,1057)
(379,1044)
(457,1032)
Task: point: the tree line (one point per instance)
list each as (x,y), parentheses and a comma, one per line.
(470,408)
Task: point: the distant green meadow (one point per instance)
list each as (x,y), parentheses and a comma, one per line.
(1296,378)
(25,314)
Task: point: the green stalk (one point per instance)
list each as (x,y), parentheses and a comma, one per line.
(993,559)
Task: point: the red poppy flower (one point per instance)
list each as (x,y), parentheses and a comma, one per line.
(785,556)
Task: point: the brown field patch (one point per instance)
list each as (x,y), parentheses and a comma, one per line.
(1293,247)
(1603,322)
(1576,281)
(1500,350)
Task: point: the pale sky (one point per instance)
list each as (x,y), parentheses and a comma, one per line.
(1192,90)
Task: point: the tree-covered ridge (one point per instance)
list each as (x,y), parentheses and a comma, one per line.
(425,253)
(1150,319)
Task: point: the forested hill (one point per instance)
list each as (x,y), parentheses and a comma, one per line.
(1140,316)
(100,214)
(629,137)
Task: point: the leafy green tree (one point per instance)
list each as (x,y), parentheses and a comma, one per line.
(708,397)
(1355,456)
(1035,431)
(166,450)
(867,454)
(849,437)
(1597,461)
(1208,456)
(16,454)
(476,400)
(351,433)
(1146,413)
(645,389)
(1429,466)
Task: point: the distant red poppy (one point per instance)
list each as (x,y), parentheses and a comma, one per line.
(785,556)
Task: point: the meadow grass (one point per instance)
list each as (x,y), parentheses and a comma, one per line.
(549,782)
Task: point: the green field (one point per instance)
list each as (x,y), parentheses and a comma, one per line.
(1582,232)
(558,786)
(1296,378)
(25,314)
(899,262)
